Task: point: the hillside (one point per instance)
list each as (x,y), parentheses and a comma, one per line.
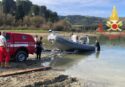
(83,20)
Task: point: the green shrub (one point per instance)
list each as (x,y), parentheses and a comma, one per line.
(37,21)
(62,25)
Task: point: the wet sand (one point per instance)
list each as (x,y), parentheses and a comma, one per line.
(39,79)
(49,78)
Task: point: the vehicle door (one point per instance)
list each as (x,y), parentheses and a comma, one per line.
(9,39)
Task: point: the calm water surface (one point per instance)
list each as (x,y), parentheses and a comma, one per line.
(103,69)
(108,67)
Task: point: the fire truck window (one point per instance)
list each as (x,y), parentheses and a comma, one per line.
(7,37)
(24,37)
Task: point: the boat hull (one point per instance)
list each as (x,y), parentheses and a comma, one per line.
(68,45)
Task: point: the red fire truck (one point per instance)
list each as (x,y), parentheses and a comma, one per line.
(20,45)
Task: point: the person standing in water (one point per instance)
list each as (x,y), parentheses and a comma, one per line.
(97,45)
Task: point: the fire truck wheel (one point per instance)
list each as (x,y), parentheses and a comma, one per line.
(21,56)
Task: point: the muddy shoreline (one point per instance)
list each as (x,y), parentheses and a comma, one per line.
(50,78)
(39,79)
(47,78)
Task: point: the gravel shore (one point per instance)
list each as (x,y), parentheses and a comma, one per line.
(39,79)
(48,78)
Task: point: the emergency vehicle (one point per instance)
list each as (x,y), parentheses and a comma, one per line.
(20,45)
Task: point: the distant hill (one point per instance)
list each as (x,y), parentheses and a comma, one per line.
(83,20)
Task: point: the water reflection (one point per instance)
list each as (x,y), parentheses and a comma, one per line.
(106,66)
(109,67)
(112,40)
(64,60)
(47,62)
(97,54)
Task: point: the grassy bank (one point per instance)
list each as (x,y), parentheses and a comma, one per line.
(26,30)
(43,32)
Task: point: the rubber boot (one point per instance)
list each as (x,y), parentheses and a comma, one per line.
(7,65)
(2,65)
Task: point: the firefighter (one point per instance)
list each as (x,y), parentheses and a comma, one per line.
(51,37)
(97,46)
(36,38)
(4,56)
(74,37)
(39,48)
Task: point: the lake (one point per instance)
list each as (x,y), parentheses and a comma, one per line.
(100,69)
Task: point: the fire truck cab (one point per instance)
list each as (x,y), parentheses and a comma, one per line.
(20,45)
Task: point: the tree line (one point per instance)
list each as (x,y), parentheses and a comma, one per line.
(84,20)
(26,14)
